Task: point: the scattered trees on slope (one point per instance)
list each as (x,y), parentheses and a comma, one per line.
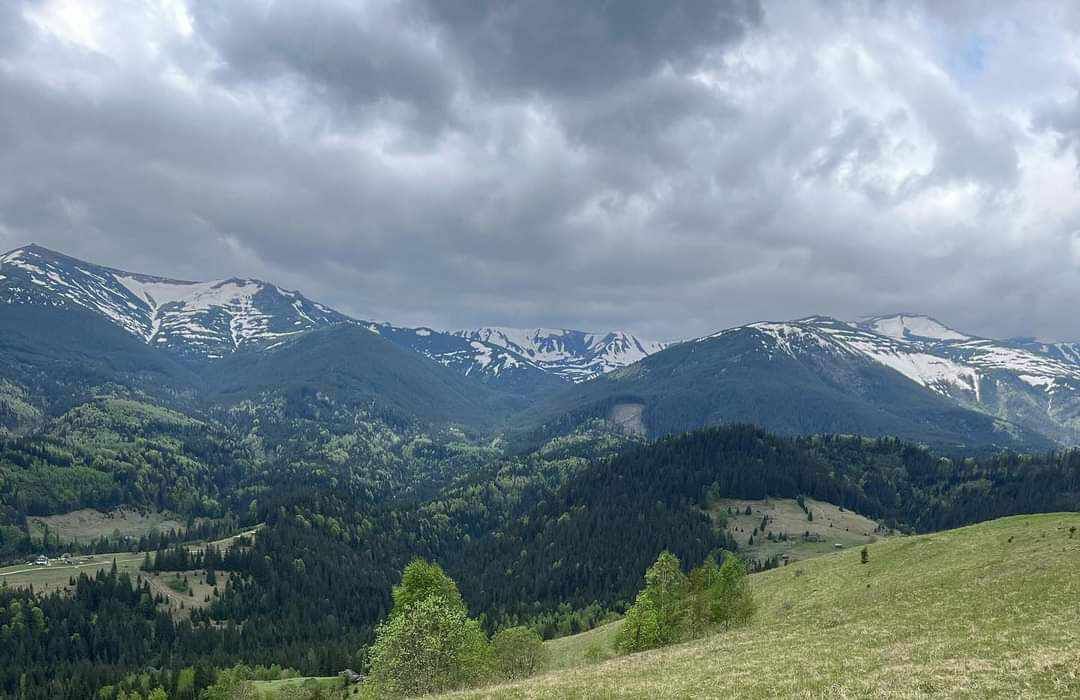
(675,607)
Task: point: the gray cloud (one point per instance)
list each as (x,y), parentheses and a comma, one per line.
(668,167)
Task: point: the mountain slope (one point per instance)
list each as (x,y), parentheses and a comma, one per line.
(486,362)
(812,376)
(350,366)
(985,611)
(573,355)
(60,358)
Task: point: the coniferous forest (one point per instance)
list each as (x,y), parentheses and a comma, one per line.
(556,539)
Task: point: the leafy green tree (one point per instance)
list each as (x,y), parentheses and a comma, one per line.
(658,614)
(730,599)
(421,580)
(518,652)
(699,613)
(428,646)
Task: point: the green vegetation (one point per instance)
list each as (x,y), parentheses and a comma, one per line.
(555,539)
(87,525)
(518,653)
(984,611)
(777,529)
(429,643)
(674,607)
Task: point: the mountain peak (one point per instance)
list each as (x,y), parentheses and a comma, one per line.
(208,319)
(571,354)
(908,326)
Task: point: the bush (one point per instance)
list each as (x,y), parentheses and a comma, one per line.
(518,652)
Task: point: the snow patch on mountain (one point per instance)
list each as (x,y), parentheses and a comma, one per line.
(911,327)
(571,354)
(202,318)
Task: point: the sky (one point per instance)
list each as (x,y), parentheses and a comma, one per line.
(669,168)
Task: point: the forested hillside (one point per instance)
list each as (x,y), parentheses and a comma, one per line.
(556,538)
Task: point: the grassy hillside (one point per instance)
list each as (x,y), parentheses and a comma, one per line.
(832,527)
(984,611)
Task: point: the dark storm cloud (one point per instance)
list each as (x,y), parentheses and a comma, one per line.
(562,48)
(669,167)
(366,61)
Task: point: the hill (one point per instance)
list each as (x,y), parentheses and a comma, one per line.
(983,611)
(355,367)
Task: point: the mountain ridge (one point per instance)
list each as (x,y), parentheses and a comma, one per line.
(209,320)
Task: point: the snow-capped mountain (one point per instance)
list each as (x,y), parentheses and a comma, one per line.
(491,363)
(1030,384)
(571,354)
(911,327)
(208,319)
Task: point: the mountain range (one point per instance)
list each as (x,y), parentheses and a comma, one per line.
(210,320)
(902,374)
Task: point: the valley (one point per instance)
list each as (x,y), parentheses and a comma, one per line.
(392,349)
(544,471)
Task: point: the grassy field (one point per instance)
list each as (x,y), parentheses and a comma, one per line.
(991,610)
(331,685)
(88,524)
(56,577)
(830,527)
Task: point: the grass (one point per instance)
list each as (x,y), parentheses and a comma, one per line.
(178,600)
(271,690)
(87,525)
(46,579)
(581,649)
(831,526)
(985,611)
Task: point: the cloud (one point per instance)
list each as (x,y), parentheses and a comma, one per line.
(668,167)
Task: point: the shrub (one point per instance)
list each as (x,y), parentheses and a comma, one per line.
(518,652)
